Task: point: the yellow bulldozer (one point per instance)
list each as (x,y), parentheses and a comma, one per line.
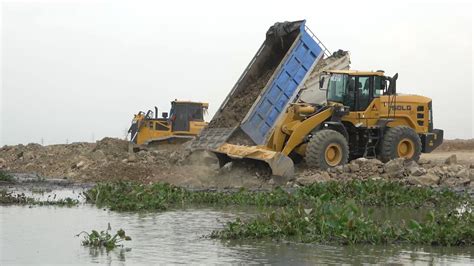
(363,117)
(185,121)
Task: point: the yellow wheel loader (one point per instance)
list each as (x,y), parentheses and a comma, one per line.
(296,100)
(363,117)
(185,121)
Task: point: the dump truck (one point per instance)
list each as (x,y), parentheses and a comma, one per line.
(184,121)
(360,115)
(289,55)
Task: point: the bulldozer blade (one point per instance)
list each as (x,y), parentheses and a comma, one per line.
(280,164)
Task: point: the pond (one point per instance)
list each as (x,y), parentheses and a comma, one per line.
(46,235)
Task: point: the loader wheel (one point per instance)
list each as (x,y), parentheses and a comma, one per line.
(327,148)
(400,142)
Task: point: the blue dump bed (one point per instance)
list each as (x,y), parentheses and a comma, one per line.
(269,83)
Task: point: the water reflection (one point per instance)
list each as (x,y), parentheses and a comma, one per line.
(46,235)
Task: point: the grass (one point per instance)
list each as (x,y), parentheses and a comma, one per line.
(96,239)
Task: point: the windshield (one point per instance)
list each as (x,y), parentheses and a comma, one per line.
(337,87)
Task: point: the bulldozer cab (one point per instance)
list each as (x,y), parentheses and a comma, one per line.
(354,89)
(182,113)
(185,120)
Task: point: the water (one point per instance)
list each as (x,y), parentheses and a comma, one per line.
(46,235)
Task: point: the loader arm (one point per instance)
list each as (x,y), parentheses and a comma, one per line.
(272,154)
(301,129)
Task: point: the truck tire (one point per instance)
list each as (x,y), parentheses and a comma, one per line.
(327,148)
(400,142)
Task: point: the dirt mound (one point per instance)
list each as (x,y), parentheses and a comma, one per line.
(109,160)
(457,145)
(111,146)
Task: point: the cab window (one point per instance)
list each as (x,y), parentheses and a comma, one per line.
(378,86)
(363,90)
(337,88)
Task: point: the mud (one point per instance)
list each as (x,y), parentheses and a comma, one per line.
(241,102)
(262,68)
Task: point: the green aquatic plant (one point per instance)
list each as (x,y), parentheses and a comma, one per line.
(104,238)
(385,194)
(6,177)
(132,196)
(327,222)
(7,197)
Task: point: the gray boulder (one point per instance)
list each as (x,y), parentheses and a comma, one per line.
(424,180)
(395,168)
(451,159)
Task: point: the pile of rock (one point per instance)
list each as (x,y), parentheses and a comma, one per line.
(423,173)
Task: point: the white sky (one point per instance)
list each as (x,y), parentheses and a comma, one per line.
(78,70)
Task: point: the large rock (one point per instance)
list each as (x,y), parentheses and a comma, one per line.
(464,174)
(318,177)
(423,161)
(365,168)
(424,180)
(438,171)
(3,163)
(451,159)
(353,167)
(414,169)
(450,182)
(395,168)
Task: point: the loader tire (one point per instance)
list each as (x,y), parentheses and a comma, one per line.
(401,141)
(327,148)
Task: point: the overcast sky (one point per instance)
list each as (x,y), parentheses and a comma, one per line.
(79,70)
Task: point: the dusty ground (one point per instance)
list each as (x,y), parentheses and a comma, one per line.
(464,157)
(109,159)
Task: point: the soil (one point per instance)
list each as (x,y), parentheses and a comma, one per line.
(110,160)
(456,145)
(239,104)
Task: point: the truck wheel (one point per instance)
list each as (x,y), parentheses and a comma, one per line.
(400,142)
(327,148)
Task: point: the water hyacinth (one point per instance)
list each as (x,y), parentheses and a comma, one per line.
(130,196)
(104,239)
(327,222)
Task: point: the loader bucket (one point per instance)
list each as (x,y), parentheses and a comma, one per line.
(280,164)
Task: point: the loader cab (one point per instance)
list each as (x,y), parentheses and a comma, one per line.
(183,112)
(355,89)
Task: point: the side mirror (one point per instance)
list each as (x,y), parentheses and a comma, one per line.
(392,87)
(164,115)
(321,82)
